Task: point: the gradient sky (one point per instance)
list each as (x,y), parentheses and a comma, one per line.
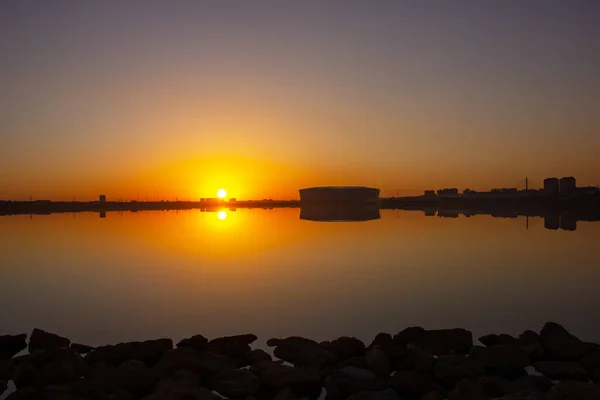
(179,98)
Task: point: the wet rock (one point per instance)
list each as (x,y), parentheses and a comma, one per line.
(560,344)
(301,352)
(466,390)
(572,390)
(81,348)
(345,347)
(42,340)
(133,376)
(591,361)
(377,361)
(496,340)
(414,385)
(387,394)
(149,352)
(232,346)
(414,359)
(504,360)
(235,384)
(201,362)
(445,341)
(196,342)
(257,355)
(409,335)
(10,345)
(561,370)
(493,386)
(450,369)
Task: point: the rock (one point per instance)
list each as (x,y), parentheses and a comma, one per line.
(377,361)
(450,369)
(345,347)
(560,344)
(285,394)
(26,393)
(493,386)
(358,373)
(235,384)
(232,346)
(303,381)
(81,348)
(384,341)
(351,380)
(301,352)
(446,341)
(409,335)
(504,360)
(257,355)
(415,385)
(433,396)
(532,344)
(358,362)
(6,369)
(466,390)
(89,389)
(42,340)
(529,337)
(24,375)
(572,390)
(414,359)
(182,385)
(196,342)
(495,340)
(562,370)
(591,361)
(58,366)
(10,345)
(3,386)
(387,394)
(530,384)
(185,358)
(133,376)
(149,352)
(265,365)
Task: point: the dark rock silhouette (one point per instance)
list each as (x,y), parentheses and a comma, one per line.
(3,386)
(494,340)
(574,390)
(301,352)
(449,369)
(414,385)
(55,366)
(200,362)
(387,394)
(504,360)
(561,344)
(232,346)
(10,345)
(257,355)
(132,375)
(377,361)
(81,348)
(445,341)
(562,370)
(591,361)
(42,340)
(196,342)
(149,352)
(414,359)
(182,385)
(235,384)
(345,347)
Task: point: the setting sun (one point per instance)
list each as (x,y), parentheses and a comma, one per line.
(221,215)
(221,193)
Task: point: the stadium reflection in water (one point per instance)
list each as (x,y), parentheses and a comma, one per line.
(342,213)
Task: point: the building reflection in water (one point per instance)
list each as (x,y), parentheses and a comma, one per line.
(340,213)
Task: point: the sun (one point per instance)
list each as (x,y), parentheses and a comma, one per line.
(221,215)
(221,193)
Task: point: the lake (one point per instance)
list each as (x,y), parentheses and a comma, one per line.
(135,276)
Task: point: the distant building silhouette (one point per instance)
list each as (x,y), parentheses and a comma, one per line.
(552,221)
(451,192)
(102,198)
(551,186)
(339,194)
(567,186)
(429,193)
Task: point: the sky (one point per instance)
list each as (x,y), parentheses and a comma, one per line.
(176,99)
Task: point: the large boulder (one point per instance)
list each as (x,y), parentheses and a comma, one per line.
(345,347)
(450,369)
(530,384)
(235,384)
(257,355)
(10,345)
(196,342)
(445,341)
(58,366)
(384,341)
(6,369)
(132,375)
(200,362)
(301,352)
(3,386)
(232,346)
(560,344)
(409,335)
(350,380)
(573,390)
(303,381)
(466,390)
(387,394)
(505,360)
(377,361)
(183,385)
(415,385)
(413,359)
(493,386)
(149,352)
(42,340)
(531,342)
(591,361)
(496,340)
(562,370)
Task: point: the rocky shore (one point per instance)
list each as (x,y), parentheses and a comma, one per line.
(413,364)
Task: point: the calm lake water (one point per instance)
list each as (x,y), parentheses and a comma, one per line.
(135,276)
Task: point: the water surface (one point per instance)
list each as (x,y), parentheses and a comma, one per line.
(135,276)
